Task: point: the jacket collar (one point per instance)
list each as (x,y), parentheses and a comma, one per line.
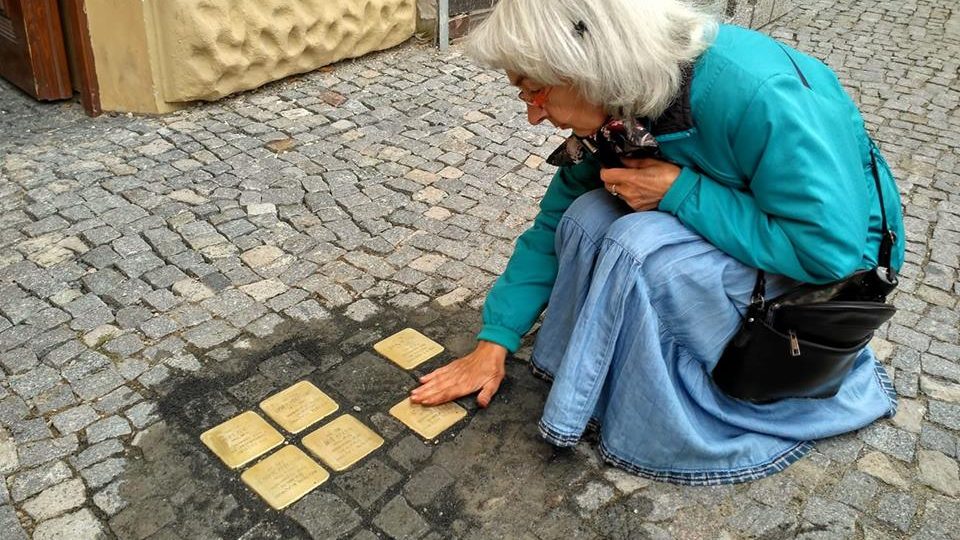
(678,116)
(629,137)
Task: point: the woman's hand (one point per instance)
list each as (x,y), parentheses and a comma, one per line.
(643,184)
(483,370)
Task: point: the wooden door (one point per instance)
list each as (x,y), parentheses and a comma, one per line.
(32,55)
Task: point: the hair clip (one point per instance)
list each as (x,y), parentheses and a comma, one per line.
(580,28)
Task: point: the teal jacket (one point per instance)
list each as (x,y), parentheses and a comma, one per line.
(745,118)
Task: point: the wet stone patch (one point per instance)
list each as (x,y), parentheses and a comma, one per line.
(177,485)
(489,474)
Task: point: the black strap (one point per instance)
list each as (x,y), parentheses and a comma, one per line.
(795,66)
(889,237)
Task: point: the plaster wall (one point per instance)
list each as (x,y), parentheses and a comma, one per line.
(152,56)
(212,48)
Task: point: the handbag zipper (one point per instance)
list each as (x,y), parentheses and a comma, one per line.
(794,344)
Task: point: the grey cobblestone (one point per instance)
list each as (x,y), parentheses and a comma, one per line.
(113,426)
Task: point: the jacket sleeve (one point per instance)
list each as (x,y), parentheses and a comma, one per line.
(521,292)
(805,213)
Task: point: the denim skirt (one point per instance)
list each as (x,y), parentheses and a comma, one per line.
(639,315)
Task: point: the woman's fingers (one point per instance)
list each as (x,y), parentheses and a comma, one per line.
(461,377)
(486,393)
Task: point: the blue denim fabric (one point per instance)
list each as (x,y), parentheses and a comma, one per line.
(641,310)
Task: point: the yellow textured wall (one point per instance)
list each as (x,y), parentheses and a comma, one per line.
(210,48)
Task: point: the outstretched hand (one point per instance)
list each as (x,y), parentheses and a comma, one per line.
(642,183)
(482,370)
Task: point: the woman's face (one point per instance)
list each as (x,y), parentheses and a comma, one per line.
(561,105)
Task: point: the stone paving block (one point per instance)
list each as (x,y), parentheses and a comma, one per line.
(110,427)
(109,499)
(80,524)
(57,398)
(934,438)
(33,429)
(308,311)
(410,452)
(19,360)
(164,276)
(159,327)
(834,517)
(9,462)
(98,384)
(398,520)
(130,317)
(370,382)
(36,453)
(10,524)
(210,334)
(161,300)
(262,291)
(897,509)
(939,472)
(324,515)
(142,414)
(104,472)
(31,383)
(897,443)
(264,326)
(29,483)
(945,414)
(368,482)
(74,419)
(97,453)
(426,484)
(124,345)
(56,500)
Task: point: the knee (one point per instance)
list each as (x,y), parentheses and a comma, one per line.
(592,213)
(641,228)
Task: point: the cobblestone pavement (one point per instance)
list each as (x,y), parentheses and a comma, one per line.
(159,275)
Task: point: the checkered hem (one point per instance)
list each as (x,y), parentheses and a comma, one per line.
(556,438)
(888,387)
(712,478)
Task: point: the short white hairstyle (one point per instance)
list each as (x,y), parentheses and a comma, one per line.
(626,55)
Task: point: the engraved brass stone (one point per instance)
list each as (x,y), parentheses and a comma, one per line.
(242,439)
(299,406)
(343,442)
(428,421)
(408,348)
(285,477)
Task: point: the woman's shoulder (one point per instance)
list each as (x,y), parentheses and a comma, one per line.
(729,74)
(741,58)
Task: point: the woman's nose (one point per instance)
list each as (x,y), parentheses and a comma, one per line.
(535,114)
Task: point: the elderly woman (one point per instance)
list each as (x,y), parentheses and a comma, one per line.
(700,153)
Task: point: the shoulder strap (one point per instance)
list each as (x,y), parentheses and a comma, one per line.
(889,237)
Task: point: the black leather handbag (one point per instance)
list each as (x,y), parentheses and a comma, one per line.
(802,344)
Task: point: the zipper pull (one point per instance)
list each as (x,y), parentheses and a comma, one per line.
(794,344)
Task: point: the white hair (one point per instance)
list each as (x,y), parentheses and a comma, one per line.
(626,55)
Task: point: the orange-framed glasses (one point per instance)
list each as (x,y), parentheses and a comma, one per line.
(536,98)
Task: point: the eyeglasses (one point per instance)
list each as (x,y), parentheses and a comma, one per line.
(536,98)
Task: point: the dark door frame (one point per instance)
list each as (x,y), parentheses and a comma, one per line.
(75,16)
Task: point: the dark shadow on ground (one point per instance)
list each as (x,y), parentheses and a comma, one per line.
(490,475)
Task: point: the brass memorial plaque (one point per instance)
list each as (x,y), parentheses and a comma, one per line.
(428,421)
(299,406)
(343,442)
(408,348)
(284,477)
(241,439)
